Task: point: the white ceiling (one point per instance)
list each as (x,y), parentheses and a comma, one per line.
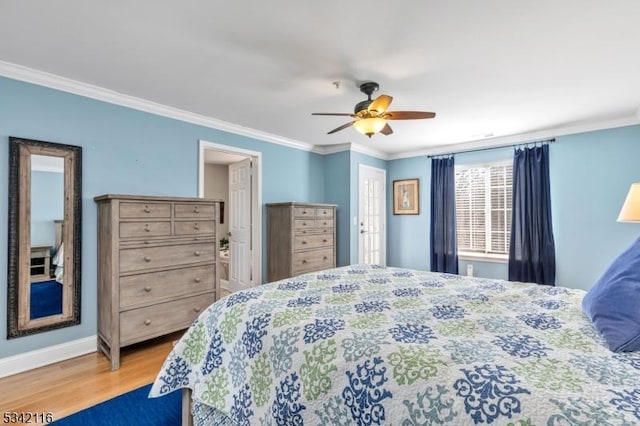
(492,67)
(221,158)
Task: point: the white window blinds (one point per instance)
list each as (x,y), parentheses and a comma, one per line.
(483,208)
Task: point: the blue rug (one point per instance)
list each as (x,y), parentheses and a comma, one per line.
(132,408)
(46,299)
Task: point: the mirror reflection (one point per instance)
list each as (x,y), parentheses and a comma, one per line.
(46,246)
(45,195)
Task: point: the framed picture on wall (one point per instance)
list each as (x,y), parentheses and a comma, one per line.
(406,197)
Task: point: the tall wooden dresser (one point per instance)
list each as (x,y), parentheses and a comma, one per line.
(301,237)
(156,267)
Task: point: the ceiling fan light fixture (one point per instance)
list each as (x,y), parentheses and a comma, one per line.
(371,115)
(370,126)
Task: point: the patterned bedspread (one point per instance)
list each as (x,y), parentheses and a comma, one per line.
(364,345)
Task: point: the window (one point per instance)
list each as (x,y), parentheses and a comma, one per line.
(483,209)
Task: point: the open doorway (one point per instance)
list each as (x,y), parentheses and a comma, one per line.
(233,175)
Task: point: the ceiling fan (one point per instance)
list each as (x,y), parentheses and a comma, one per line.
(371,115)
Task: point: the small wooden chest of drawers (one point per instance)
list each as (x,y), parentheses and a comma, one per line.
(40,266)
(301,238)
(156,267)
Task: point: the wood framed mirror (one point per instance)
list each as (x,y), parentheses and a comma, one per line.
(45,218)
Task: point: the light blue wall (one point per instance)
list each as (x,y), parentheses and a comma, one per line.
(590,175)
(336,191)
(47,205)
(128,152)
(132,152)
(341,188)
(496,270)
(408,235)
(356,159)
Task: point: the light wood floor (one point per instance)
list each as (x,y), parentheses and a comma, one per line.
(69,386)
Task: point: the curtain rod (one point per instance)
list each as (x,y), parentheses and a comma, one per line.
(492,147)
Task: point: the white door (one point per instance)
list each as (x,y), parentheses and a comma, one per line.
(240,261)
(371,215)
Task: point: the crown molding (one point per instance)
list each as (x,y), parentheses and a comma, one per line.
(350,146)
(332,149)
(41,78)
(369,151)
(509,140)
(53,81)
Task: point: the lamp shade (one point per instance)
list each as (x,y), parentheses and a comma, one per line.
(369,126)
(631,208)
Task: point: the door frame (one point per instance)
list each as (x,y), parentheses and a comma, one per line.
(256,197)
(383,207)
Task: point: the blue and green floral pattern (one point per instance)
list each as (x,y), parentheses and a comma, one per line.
(370,345)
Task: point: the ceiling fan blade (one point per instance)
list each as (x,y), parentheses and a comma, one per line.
(344,126)
(386,130)
(334,113)
(408,115)
(380,104)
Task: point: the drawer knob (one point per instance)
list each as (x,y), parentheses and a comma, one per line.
(324,241)
(196,309)
(196,226)
(146,227)
(304,260)
(147,289)
(324,212)
(195,209)
(304,223)
(196,253)
(146,209)
(325,258)
(197,280)
(304,242)
(147,322)
(304,232)
(147,259)
(146,242)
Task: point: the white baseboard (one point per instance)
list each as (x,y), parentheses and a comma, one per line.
(38,358)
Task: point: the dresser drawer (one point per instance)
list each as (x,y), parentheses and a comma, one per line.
(324,213)
(142,210)
(303,242)
(144,323)
(324,223)
(135,259)
(313,260)
(205,211)
(144,229)
(313,231)
(147,289)
(193,227)
(299,224)
(301,212)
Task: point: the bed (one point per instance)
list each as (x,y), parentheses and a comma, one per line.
(368,345)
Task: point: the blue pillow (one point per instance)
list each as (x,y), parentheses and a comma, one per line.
(613,303)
